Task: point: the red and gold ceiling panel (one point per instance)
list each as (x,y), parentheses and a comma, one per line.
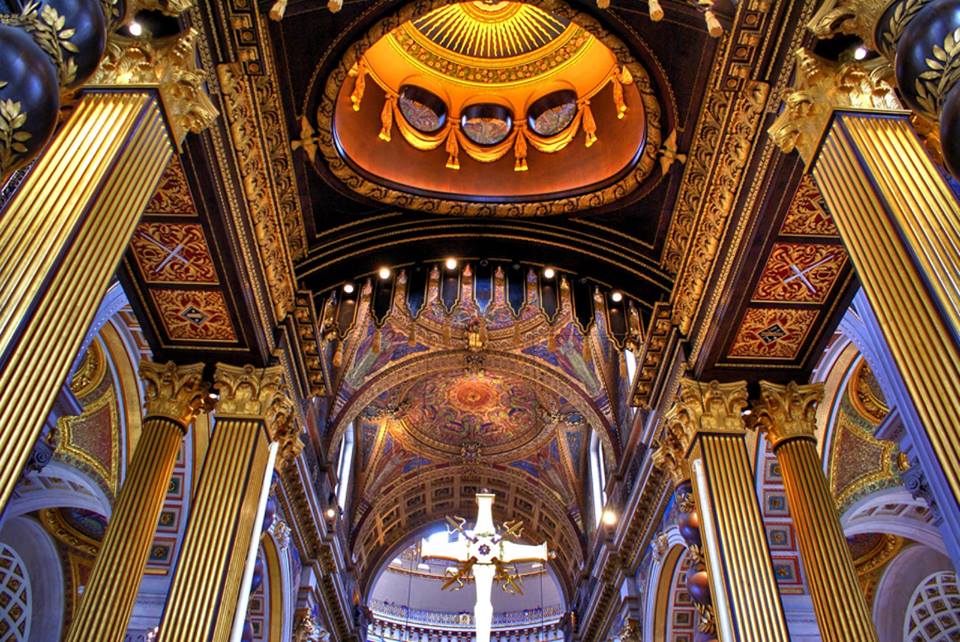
(174,272)
(795,289)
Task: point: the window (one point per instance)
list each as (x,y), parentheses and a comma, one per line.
(598,476)
(344,467)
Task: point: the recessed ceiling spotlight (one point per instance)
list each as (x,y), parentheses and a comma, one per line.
(348,288)
(609,517)
(451,263)
(384,273)
(135,29)
(617,297)
(549,273)
(860,53)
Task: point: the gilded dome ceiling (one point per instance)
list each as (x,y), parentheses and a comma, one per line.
(493,102)
(480,414)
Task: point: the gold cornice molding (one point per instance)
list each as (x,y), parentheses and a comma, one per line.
(787,412)
(820,88)
(260,394)
(252,164)
(168,65)
(175,392)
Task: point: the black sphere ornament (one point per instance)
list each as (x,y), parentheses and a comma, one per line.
(923,56)
(950,131)
(698,585)
(82,36)
(29,98)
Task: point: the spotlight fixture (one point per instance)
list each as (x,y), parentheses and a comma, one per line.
(331,513)
(451,263)
(348,288)
(135,29)
(617,297)
(549,273)
(609,517)
(384,273)
(860,53)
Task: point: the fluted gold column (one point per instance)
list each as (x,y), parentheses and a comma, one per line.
(61,237)
(705,430)
(253,412)
(174,396)
(786,414)
(900,223)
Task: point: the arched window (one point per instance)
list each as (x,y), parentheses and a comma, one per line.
(344,467)
(598,476)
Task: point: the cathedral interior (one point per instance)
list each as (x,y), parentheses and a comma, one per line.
(510,320)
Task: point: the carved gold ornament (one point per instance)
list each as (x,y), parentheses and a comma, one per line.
(12,138)
(787,412)
(168,65)
(943,72)
(50,31)
(174,392)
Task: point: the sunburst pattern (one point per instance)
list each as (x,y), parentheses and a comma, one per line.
(484,30)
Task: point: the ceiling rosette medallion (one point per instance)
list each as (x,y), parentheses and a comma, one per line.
(490,108)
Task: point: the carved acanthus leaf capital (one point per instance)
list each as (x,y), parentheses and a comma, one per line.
(175,392)
(849,17)
(820,87)
(170,66)
(254,393)
(787,412)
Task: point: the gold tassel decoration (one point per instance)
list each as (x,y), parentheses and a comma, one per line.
(377,341)
(277,10)
(520,151)
(386,117)
(714,28)
(656,11)
(589,125)
(360,71)
(453,149)
(618,99)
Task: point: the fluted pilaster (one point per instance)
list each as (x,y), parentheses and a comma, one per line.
(254,411)
(174,396)
(705,429)
(787,415)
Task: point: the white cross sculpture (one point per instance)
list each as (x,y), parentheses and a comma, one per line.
(482,551)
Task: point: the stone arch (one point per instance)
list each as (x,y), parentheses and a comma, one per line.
(451,361)
(669,548)
(43,575)
(424,497)
(896,588)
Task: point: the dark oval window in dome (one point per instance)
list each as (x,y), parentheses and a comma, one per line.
(423,109)
(486,124)
(552,113)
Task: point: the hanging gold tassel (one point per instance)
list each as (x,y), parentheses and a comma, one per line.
(453,149)
(618,96)
(386,117)
(377,341)
(360,71)
(520,151)
(589,125)
(656,11)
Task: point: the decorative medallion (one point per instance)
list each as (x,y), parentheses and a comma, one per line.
(772,333)
(173,253)
(194,315)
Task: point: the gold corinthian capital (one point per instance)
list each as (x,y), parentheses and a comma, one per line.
(787,412)
(170,66)
(820,88)
(260,394)
(178,393)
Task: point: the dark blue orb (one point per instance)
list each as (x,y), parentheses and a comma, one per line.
(86,18)
(926,33)
(29,98)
